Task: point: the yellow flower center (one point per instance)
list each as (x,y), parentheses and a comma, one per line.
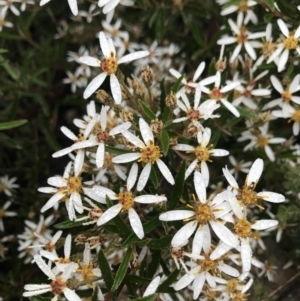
(207,264)
(86,270)
(295,117)
(267,49)
(290,43)
(243,228)
(262,141)
(109,64)
(286,96)
(247,196)
(193,115)
(50,246)
(203,213)
(216,93)
(2,213)
(232,285)
(243,36)
(202,153)
(2,187)
(243,6)
(57,286)
(126,199)
(74,185)
(150,153)
(63,260)
(239,296)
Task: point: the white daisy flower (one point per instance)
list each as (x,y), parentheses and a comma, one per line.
(148,155)
(217,94)
(261,138)
(205,212)
(109,5)
(8,185)
(75,80)
(286,94)
(126,202)
(72,4)
(67,188)
(199,111)
(98,135)
(48,244)
(289,43)
(246,196)
(9,4)
(203,152)
(243,38)
(2,19)
(109,66)
(58,284)
(239,166)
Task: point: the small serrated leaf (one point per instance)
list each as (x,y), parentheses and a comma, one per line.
(122,270)
(105,270)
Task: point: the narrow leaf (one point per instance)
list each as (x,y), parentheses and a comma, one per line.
(12,124)
(105,269)
(147,298)
(147,111)
(68,225)
(170,280)
(164,136)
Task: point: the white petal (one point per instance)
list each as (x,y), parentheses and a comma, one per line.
(272,197)
(198,285)
(235,53)
(149,199)
(94,85)
(246,254)
(200,186)
(224,233)
(125,158)
(100,155)
(120,128)
(165,171)
(283,27)
(33,287)
(52,201)
(205,137)
(90,61)
(219,152)
(44,267)
(230,107)
(67,246)
(183,234)
(73,7)
(57,181)
(176,215)
(191,168)
(71,295)
(136,223)
(183,147)
(132,176)
(255,172)
(84,144)
(229,177)
(78,163)
(133,139)
(250,50)
(62,152)
(198,241)
(133,56)
(37,292)
(207,239)
(144,176)
(109,214)
(146,131)
(283,60)
(152,287)
(186,279)
(104,191)
(294,86)
(104,44)
(115,89)
(264,224)
(220,250)
(68,133)
(225,268)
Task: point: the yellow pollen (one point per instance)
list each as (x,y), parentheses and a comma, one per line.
(267,49)
(208,265)
(86,270)
(50,246)
(109,64)
(243,6)
(57,286)
(2,213)
(216,93)
(262,141)
(63,260)
(203,213)
(290,43)
(193,115)
(2,187)
(243,36)
(243,228)
(247,196)
(126,199)
(150,153)
(202,153)
(236,94)
(108,161)
(232,285)
(295,117)
(74,185)
(286,96)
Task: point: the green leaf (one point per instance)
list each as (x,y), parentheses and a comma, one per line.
(68,225)
(153,18)
(4,139)
(161,243)
(176,85)
(147,111)
(105,269)
(166,115)
(177,188)
(49,136)
(148,226)
(122,270)
(232,2)
(170,280)
(246,113)
(147,298)
(153,177)
(39,298)
(153,266)
(12,124)
(164,136)
(137,279)
(268,17)
(270,4)
(116,151)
